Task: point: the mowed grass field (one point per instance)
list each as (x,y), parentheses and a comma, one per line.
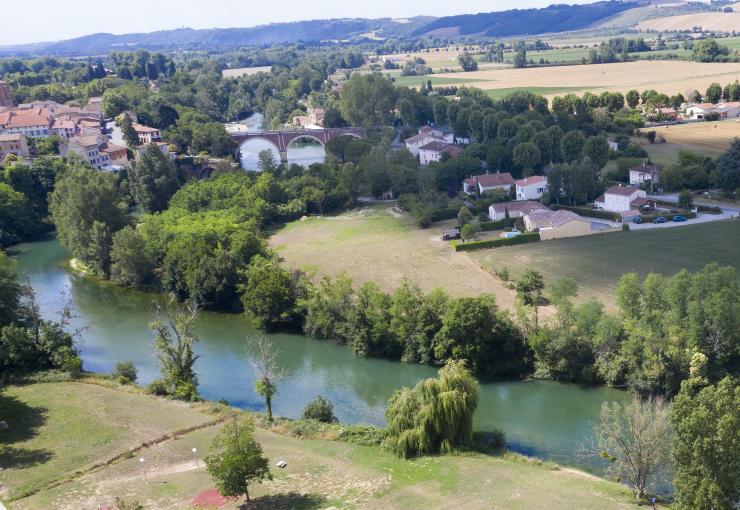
(417,81)
(597,262)
(669,77)
(245,71)
(320,474)
(373,244)
(705,138)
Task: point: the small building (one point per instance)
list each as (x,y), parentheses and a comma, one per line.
(88,148)
(32,123)
(622,199)
(699,111)
(666,113)
(729,110)
(434,151)
(64,129)
(117,155)
(531,188)
(641,173)
(314,119)
(147,134)
(516,209)
(13,143)
(557,224)
(426,135)
(487,182)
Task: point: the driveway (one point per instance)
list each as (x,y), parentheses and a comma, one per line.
(700,218)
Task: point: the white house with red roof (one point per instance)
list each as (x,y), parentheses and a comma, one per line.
(641,173)
(623,199)
(434,151)
(531,188)
(427,135)
(487,182)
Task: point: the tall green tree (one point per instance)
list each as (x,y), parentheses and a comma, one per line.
(268,296)
(153,179)
(174,348)
(237,460)
(127,130)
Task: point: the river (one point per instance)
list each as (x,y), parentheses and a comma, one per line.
(304,151)
(542,418)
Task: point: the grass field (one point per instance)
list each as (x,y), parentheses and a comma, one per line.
(416,81)
(597,262)
(245,71)
(543,91)
(669,77)
(320,474)
(374,244)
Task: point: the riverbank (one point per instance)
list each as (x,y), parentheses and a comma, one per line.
(86,439)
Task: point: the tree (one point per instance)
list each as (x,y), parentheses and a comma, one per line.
(685,200)
(571,146)
(727,173)
(132,264)
(706,421)
(563,289)
(153,179)
(633,98)
(320,409)
(529,287)
(464,216)
(714,93)
(708,50)
(527,156)
(125,372)
(173,347)
(268,295)
(436,416)
(87,208)
(127,130)
(264,359)
(520,58)
(16,216)
(113,104)
(468,232)
(634,438)
(237,460)
(467,62)
(10,290)
(596,149)
(368,100)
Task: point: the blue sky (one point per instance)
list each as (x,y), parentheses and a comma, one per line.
(53,20)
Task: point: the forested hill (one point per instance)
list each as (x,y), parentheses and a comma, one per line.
(227,38)
(555,18)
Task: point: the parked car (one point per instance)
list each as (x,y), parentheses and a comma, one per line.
(637,219)
(678,218)
(453,233)
(660,219)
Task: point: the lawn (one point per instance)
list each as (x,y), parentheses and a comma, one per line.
(379,245)
(319,473)
(597,262)
(416,81)
(53,433)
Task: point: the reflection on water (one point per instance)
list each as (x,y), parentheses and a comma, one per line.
(544,418)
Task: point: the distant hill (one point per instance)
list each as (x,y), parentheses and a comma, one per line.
(708,21)
(227,38)
(555,18)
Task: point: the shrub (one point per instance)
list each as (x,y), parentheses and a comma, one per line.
(321,409)
(504,274)
(364,435)
(125,373)
(157,387)
(495,243)
(626,227)
(487,226)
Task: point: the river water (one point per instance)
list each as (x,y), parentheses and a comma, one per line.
(541,418)
(304,151)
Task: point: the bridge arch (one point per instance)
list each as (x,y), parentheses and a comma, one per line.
(250,157)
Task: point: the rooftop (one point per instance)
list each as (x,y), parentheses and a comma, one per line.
(524,206)
(528,181)
(10,137)
(489,180)
(621,190)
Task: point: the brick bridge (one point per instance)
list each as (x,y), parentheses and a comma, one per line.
(281,139)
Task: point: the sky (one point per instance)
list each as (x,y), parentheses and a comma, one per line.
(55,20)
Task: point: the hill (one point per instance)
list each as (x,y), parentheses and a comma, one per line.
(708,21)
(555,18)
(76,446)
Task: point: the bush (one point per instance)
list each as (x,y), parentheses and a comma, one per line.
(626,227)
(157,387)
(487,226)
(125,373)
(321,409)
(496,243)
(504,274)
(364,435)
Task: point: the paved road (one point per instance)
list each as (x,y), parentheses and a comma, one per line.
(673,197)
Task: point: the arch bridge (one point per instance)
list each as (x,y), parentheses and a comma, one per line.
(282,139)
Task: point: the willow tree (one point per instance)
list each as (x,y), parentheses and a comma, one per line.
(436,416)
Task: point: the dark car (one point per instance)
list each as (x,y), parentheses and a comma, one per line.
(453,233)
(679,218)
(660,219)
(637,220)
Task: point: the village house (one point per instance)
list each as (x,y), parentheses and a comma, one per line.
(557,224)
(699,111)
(531,188)
(426,135)
(729,110)
(64,129)
(117,155)
(641,173)
(97,151)
(434,151)
(516,209)
(627,200)
(314,119)
(147,134)
(666,113)
(33,123)
(487,182)
(13,143)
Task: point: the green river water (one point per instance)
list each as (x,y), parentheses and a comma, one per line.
(542,418)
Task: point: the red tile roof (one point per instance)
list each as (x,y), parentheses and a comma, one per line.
(621,190)
(490,180)
(528,181)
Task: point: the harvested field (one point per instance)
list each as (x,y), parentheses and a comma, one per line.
(245,71)
(708,21)
(707,138)
(669,77)
(374,244)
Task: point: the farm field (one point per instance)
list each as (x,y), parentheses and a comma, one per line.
(319,474)
(668,77)
(543,91)
(597,262)
(705,138)
(416,81)
(708,21)
(374,244)
(245,71)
